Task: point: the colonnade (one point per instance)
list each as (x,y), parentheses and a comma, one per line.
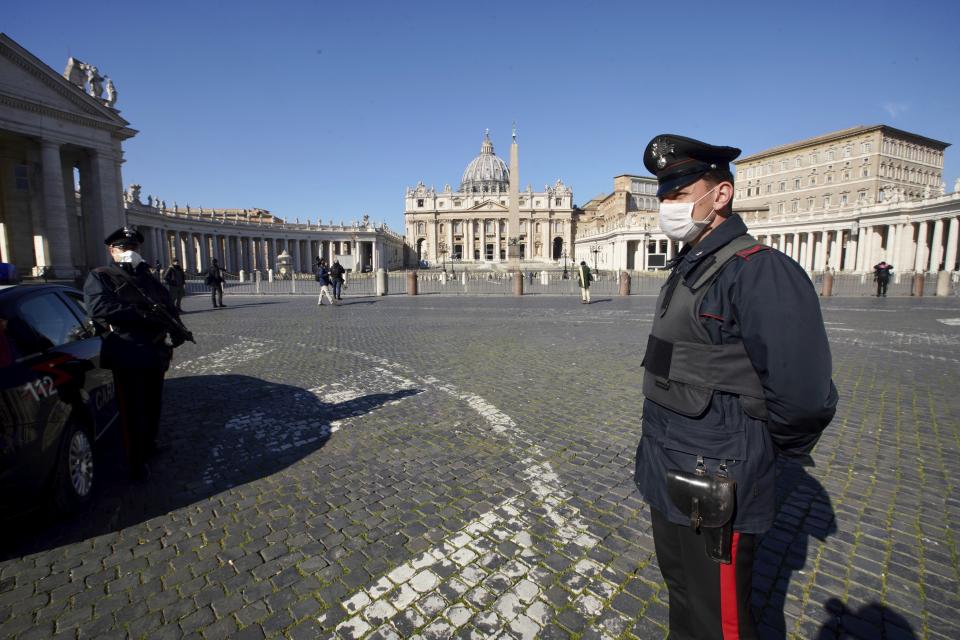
(927,245)
(195,240)
(195,249)
(927,242)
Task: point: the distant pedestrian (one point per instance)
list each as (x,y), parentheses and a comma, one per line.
(337,278)
(214,280)
(323,277)
(176,281)
(584,278)
(158,270)
(881,275)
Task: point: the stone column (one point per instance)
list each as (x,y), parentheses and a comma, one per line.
(158,246)
(178,250)
(878,242)
(913,246)
(920,263)
(853,246)
(835,249)
(894,244)
(951,256)
(467,240)
(936,248)
(51,236)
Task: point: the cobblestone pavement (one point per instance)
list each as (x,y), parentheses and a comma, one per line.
(461,467)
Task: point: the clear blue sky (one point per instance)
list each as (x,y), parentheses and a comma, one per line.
(331,109)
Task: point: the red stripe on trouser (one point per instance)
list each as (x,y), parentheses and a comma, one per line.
(729,620)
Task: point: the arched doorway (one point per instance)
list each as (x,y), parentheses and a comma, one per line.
(419,250)
(557,247)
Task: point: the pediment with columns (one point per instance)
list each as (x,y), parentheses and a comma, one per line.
(27,84)
(489,205)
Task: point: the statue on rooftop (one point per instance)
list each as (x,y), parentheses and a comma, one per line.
(111,92)
(95,80)
(133,194)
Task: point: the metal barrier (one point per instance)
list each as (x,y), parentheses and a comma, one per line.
(853,285)
(606,283)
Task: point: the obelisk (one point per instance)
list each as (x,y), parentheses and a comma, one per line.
(513,239)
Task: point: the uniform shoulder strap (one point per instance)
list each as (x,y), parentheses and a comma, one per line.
(741,246)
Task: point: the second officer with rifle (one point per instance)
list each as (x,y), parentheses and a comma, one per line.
(140,327)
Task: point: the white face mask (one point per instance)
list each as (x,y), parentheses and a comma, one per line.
(676,219)
(130,256)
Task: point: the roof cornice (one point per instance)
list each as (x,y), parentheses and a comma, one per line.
(839,135)
(95,110)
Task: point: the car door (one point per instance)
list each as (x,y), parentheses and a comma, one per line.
(101,401)
(49,375)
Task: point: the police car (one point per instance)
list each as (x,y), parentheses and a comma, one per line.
(55,400)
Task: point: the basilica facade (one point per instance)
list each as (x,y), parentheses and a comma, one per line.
(469,226)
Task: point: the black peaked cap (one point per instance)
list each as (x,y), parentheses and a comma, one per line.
(124,237)
(678,161)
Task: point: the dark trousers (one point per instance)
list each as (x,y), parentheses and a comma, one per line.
(216,293)
(708,600)
(176,294)
(881,287)
(337,286)
(139,399)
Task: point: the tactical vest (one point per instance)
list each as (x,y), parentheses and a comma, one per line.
(682,366)
(119,282)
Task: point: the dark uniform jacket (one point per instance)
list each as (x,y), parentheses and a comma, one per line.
(336,272)
(214,275)
(174,276)
(131,339)
(882,274)
(765,301)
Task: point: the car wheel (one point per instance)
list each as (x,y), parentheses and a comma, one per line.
(74,476)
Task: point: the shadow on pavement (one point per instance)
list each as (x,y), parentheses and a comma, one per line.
(805,511)
(873,620)
(217,432)
(230,306)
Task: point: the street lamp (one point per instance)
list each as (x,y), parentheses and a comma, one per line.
(565,275)
(596,252)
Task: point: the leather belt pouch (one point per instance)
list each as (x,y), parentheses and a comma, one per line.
(709,501)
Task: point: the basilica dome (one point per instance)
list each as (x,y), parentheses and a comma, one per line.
(486,173)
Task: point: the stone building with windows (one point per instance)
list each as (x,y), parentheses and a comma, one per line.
(845,200)
(619,230)
(470,225)
(853,167)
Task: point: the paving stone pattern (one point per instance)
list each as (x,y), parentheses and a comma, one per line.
(441,467)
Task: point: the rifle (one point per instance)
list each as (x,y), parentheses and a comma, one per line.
(177,330)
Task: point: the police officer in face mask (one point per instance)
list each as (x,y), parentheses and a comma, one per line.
(737,372)
(132,310)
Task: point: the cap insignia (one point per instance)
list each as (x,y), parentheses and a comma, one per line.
(660,149)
